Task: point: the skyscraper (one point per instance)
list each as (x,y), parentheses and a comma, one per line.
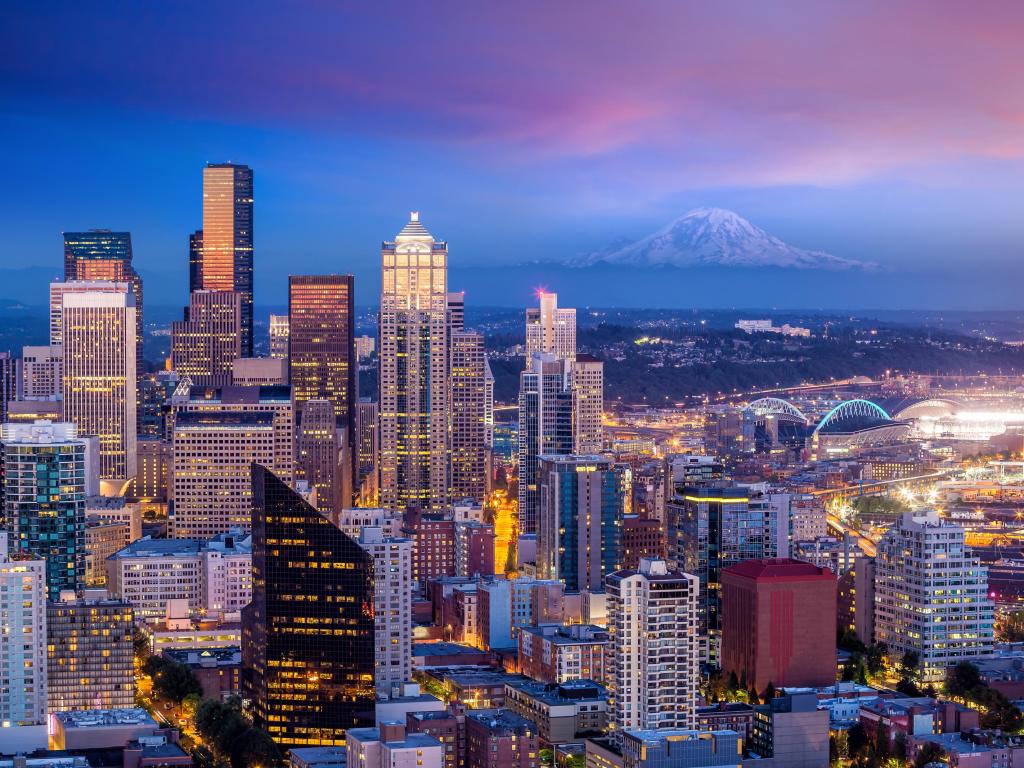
(931,594)
(414,370)
(10,374)
(652,669)
(100,254)
(44,498)
(456,312)
(23,650)
(279,336)
(579,531)
(221,254)
(205,344)
(392,615)
(550,329)
(545,427)
(321,351)
(99,386)
(308,634)
(468,408)
(367,450)
(323,457)
(588,404)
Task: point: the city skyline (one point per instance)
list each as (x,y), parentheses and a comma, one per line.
(569,153)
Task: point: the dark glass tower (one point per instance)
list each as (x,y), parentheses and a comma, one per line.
(100,254)
(308,634)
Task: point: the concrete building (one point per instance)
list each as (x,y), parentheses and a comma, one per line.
(552,653)
(390,746)
(392,615)
(90,654)
(98,327)
(468,442)
(279,337)
(23,665)
(474,549)
(563,713)
(919,560)
(433,536)
(395,704)
(217,669)
(778,623)
(678,748)
(642,537)
(413,370)
(213,576)
(447,726)
(550,329)
(259,372)
(41,372)
(324,456)
(507,605)
(500,739)
(653,654)
(101,728)
(352,520)
(44,477)
(208,340)
(155,457)
(791,731)
(367,450)
(588,404)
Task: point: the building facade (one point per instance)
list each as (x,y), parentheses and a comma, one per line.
(205,344)
(468,444)
(550,329)
(392,615)
(588,404)
(324,456)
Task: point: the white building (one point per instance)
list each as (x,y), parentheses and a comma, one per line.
(652,666)
(23,661)
(931,594)
(279,336)
(214,576)
(392,615)
(41,372)
(588,404)
(351,521)
(389,746)
(98,329)
(550,329)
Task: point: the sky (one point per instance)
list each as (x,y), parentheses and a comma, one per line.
(523,132)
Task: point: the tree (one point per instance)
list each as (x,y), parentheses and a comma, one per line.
(875,655)
(930,752)
(882,750)
(190,705)
(769,692)
(140,644)
(899,746)
(838,747)
(962,679)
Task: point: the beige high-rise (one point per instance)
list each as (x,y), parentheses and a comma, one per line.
(206,343)
(587,404)
(99,391)
(550,329)
(414,370)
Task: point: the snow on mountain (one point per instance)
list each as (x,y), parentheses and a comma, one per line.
(713,236)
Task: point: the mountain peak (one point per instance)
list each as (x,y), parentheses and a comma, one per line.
(717,236)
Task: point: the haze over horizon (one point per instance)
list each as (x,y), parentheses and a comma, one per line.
(532,135)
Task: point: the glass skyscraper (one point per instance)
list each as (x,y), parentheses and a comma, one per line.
(308,634)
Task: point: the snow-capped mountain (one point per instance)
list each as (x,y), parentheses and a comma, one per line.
(713,236)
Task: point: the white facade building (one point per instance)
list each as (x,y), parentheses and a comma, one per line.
(588,404)
(41,372)
(392,615)
(550,329)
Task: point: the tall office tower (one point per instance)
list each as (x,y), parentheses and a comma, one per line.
(323,460)
(100,254)
(99,386)
(220,255)
(545,427)
(307,643)
(778,623)
(205,344)
(392,613)
(22,651)
(931,594)
(550,329)
(652,668)
(579,531)
(367,450)
(321,352)
(44,498)
(468,407)
(41,372)
(710,528)
(488,404)
(90,654)
(10,379)
(456,312)
(414,370)
(588,404)
(213,453)
(279,336)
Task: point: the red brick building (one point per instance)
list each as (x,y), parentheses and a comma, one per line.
(433,549)
(557,654)
(447,726)
(641,537)
(498,738)
(779,623)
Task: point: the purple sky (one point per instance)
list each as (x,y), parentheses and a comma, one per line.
(523,131)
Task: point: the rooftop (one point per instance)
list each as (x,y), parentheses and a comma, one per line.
(501,720)
(444,649)
(779,568)
(104,718)
(233,542)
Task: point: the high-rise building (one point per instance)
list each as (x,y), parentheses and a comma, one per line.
(778,623)
(414,370)
(652,670)
(100,254)
(323,456)
(279,336)
(550,329)
(23,651)
(456,312)
(10,379)
(392,615)
(367,450)
(154,403)
(99,383)
(488,404)
(41,372)
(205,344)
(468,409)
(213,453)
(221,254)
(308,634)
(321,354)
(579,531)
(44,498)
(90,654)
(931,594)
(710,528)
(588,404)
(545,427)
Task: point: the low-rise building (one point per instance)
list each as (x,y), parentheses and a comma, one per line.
(727,716)
(675,748)
(101,728)
(563,713)
(555,654)
(791,730)
(916,716)
(393,705)
(389,746)
(217,669)
(500,739)
(317,757)
(447,726)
